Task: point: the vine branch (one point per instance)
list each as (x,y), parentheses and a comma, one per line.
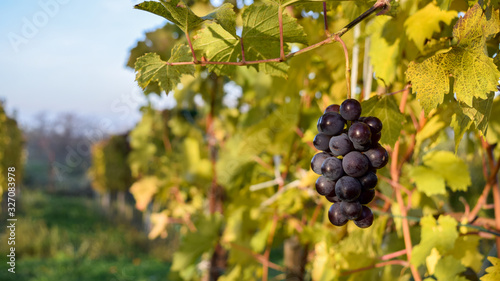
(394,171)
(331,39)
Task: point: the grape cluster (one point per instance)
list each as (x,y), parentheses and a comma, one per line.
(348,162)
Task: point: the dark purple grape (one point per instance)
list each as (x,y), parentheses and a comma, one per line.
(366,219)
(332,168)
(378,156)
(331,123)
(360,133)
(333,198)
(361,119)
(351,210)
(366,196)
(340,145)
(325,186)
(374,123)
(321,142)
(335,215)
(376,137)
(369,180)
(348,189)
(350,109)
(318,160)
(332,108)
(362,147)
(355,164)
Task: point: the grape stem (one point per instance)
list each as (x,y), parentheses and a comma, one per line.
(347,68)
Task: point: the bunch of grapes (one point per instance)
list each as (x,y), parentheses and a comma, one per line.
(348,162)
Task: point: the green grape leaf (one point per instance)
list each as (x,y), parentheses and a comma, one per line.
(474,73)
(428,181)
(492,272)
(261,36)
(387,110)
(448,268)
(217,44)
(150,67)
(175,11)
(440,234)
(225,16)
(450,167)
(425,22)
(194,244)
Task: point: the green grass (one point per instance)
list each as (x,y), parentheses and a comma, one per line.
(68,238)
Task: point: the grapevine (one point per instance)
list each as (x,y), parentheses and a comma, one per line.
(239,180)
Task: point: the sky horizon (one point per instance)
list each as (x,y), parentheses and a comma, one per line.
(64,56)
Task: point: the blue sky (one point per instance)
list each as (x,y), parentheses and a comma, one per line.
(69,56)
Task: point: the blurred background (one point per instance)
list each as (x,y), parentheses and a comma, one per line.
(65,87)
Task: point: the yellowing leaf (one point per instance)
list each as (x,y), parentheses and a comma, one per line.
(160,223)
(143,191)
(425,22)
(440,234)
(429,80)
(474,73)
(492,272)
(475,27)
